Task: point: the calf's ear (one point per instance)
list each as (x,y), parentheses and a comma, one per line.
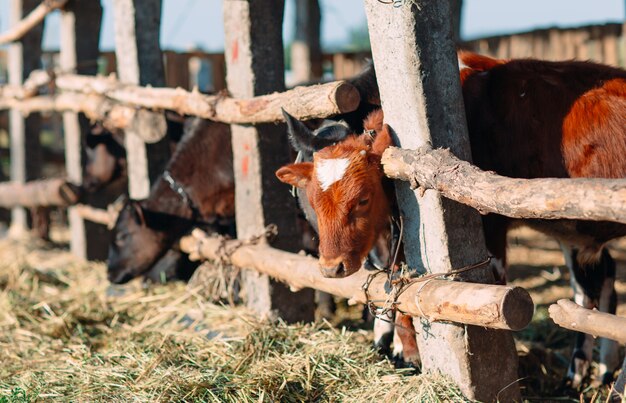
(300,137)
(297,175)
(382,141)
(137,213)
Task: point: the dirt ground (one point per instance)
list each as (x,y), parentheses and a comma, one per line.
(537,264)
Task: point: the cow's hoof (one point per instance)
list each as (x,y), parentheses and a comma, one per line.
(401,362)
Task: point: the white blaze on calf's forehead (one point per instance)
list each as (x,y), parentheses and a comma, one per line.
(329,171)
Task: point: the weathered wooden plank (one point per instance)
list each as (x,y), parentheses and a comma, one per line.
(255,66)
(417,73)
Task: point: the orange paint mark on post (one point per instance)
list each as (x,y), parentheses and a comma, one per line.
(245,161)
(234,51)
(245,165)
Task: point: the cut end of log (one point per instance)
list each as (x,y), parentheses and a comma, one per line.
(347,98)
(70,193)
(517,308)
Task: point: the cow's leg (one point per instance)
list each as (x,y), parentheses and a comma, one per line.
(383,333)
(593,286)
(583,347)
(495,228)
(40,222)
(617,393)
(609,349)
(405,352)
(325,305)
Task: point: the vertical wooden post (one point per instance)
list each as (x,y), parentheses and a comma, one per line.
(140,61)
(24,57)
(255,66)
(306,50)
(457,18)
(418,76)
(80,36)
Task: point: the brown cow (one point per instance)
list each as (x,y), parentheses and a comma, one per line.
(526,119)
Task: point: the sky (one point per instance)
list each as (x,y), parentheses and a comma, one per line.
(197,23)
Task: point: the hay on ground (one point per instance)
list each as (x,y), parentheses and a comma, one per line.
(66,335)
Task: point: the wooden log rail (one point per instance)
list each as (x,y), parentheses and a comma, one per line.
(31,20)
(316,101)
(30,88)
(580,198)
(100,216)
(98,108)
(49,192)
(570,315)
(492,306)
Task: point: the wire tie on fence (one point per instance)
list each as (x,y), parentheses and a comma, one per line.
(225,252)
(400,3)
(417,298)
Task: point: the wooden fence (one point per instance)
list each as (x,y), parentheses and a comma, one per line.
(462,338)
(600,43)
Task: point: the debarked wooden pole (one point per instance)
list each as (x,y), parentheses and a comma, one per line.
(492,306)
(303,102)
(596,199)
(45,192)
(570,315)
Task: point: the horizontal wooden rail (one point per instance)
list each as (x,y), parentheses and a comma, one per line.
(317,101)
(30,21)
(119,105)
(553,198)
(47,192)
(570,315)
(100,216)
(96,107)
(30,88)
(493,306)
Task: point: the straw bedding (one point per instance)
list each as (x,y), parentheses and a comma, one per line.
(66,335)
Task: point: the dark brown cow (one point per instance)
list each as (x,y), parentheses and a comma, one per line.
(197,188)
(106,159)
(106,155)
(526,119)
